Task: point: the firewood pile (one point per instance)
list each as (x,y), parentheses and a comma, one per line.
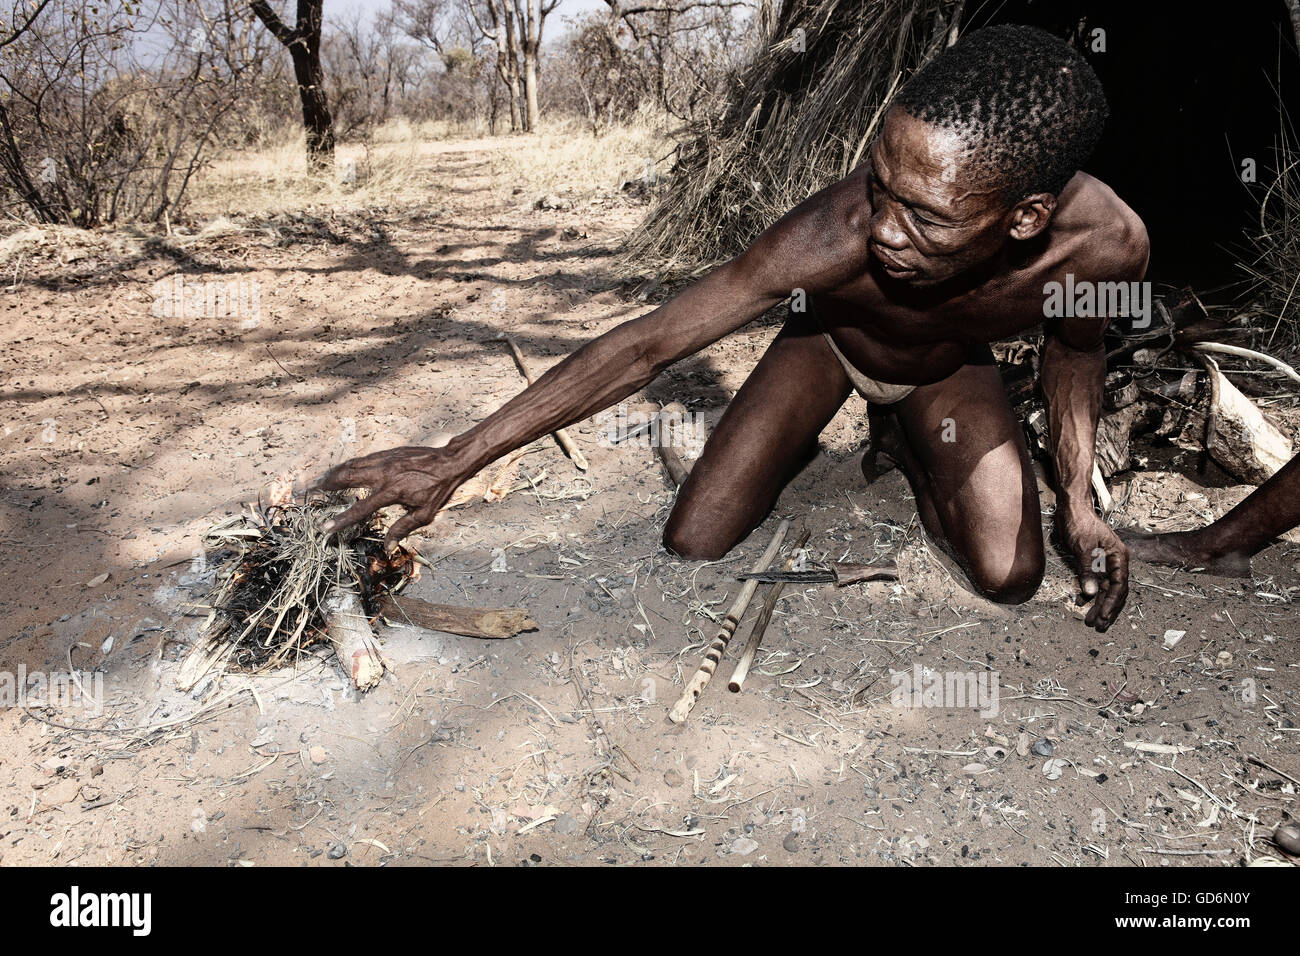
(1191,381)
(283,589)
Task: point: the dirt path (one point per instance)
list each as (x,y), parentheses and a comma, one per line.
(127,432)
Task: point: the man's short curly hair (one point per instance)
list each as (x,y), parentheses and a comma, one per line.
(1029,107)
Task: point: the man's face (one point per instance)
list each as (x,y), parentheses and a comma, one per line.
(931,218)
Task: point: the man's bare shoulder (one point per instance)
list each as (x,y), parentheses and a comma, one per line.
(818,245)
(1108,240)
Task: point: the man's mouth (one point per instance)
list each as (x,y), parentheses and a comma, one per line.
(892,267)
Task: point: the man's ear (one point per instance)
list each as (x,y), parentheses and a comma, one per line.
(1031,215)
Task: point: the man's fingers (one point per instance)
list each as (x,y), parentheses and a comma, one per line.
(1115,598)
(350,474)
(1089,585)
(404,526)
(1094,611)
(359,511)
(1114,593)
(1105,609)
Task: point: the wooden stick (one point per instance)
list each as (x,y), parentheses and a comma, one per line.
(561,436)
(764,616)
(1104,500)
(348,630)
(678,470)
(489,622)
(670,451)
(1240,352)
(695,686)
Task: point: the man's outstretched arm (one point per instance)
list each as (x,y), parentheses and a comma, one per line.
(814,247)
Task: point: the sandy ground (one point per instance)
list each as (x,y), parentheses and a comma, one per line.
(127,433)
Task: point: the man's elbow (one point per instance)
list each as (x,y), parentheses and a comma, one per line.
(1134,247)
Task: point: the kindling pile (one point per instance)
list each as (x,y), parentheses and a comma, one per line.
(283,588)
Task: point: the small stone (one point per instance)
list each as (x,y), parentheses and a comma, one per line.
(566,824)
(317,754)
(337,852)
(61,792)
(791,843)
(1287,836)
(1044,747)
(673,778)
(744,846)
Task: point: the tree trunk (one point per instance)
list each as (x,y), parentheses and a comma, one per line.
(12,161)
(530,89)
(511,55)
(532,17)
(316,119)
(303,44)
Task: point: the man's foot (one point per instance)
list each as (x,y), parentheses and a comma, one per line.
(1185,549)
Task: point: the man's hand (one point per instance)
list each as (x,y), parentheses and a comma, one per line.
(419,479)
(1103,565)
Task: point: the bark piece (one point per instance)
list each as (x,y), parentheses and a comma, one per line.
(488,622)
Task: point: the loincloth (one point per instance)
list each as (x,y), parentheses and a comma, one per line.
(880,393)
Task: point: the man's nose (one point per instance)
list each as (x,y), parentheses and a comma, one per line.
(885,229)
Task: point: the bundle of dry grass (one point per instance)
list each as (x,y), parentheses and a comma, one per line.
(800,116)
(283,586)
(1275,268)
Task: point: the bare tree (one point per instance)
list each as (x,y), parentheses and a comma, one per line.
(460,35)
(303,43)
(532,16)
(371,70)
(497,24)
(515,27)
(664,35)
(106,112)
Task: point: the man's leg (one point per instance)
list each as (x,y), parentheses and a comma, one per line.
(766,435)
(965,456)
(1225,546)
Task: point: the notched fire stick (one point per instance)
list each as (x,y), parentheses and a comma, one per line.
(840,573)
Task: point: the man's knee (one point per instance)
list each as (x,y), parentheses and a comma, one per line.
(1013,582)
(691,544)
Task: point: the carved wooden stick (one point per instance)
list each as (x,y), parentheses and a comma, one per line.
(561,436)
(764,616)
(695,686)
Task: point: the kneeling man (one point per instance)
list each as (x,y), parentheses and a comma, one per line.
(968,208)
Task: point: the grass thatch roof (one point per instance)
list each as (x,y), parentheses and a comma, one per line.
(799,117)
